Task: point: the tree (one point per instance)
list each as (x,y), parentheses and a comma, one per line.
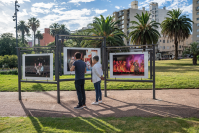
(145,31)
(194,50)
(33,23)
(54,29)
(7,44)
(39,36)
(104,27)
(177,27)
(64,31)
(23,28)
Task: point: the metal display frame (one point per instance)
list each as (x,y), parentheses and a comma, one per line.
(105,54)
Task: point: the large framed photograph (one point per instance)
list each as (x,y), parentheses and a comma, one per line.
(86,56)
(38,66)
(129,65)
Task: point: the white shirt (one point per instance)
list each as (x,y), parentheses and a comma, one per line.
(97,72)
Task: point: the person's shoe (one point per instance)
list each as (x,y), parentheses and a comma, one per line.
(78,107)
(95,103)
(100,101)
(84,106)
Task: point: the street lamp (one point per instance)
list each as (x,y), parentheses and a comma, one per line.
(15,19)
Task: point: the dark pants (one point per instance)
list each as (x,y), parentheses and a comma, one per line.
(79,84)
(97,87)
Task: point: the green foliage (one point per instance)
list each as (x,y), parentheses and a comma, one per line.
(193,50)
(144,31)
(177,27)
(39,36)
(104,27)
(9,61)
(33,23)
(23,28)
(54,29)
(7,44)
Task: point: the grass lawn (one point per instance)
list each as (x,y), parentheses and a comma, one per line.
(109,124)
(169,74)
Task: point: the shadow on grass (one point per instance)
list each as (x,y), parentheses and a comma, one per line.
(95,123)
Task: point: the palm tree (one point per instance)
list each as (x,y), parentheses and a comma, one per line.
(23,28)
(39,36)
(33,23)
(64,31)
(105,27)
(145,31)
(54,29)
(177,27)
(193,50)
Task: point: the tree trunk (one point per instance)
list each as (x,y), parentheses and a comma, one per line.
(194,59)
(23,37)
(34,38)
(144,47)
(38,41)
(176,49)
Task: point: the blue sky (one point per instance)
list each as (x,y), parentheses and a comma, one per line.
(75,14)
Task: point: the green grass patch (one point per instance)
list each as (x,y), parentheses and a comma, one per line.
(178,74)
(108,124)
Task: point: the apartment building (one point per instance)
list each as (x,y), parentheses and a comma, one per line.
(127,15)
(195,16)
(167,48)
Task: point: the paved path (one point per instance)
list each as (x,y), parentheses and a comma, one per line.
(122,103)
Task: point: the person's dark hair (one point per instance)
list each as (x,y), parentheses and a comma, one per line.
(78,55)
(96,57)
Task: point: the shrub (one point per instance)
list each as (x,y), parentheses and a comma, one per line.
(9,61)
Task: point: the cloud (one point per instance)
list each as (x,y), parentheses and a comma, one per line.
(43,5)
(100,11)
(73,19)
(12,1)
(43,8)
(117,7)
(77,1)
(63,3)
(23,13)
(173,4)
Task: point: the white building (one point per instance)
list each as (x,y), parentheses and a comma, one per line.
(127,15)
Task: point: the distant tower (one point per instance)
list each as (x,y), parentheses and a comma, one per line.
(134,4)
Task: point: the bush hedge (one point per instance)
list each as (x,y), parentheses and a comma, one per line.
(9,61)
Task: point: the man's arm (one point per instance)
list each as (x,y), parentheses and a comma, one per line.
(72,68)
(85,70)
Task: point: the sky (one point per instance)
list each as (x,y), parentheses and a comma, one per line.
(75,14)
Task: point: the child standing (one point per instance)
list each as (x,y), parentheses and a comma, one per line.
(97,75)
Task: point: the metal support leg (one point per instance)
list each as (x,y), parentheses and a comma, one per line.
(57,69)
(104,61)
(19,73)
(150,64)
(154,84)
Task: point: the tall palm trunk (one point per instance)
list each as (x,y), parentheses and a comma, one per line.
(176,49)
(194,59)
(144,47)
(34,38)
(23,37)
(38,41)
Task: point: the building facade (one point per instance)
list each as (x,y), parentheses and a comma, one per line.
(167,47)
(127,15)
(195,16)
(47,38)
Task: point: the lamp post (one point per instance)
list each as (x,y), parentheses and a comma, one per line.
(15,19)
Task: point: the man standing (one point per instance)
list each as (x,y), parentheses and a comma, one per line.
(80,69)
